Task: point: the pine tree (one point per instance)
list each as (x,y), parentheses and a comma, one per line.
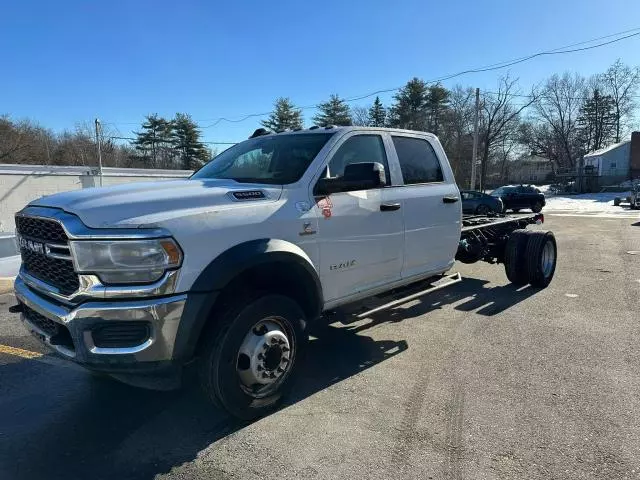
(335,111)
(191,152)
(154,137)
(436,105)
(597,121)
(410,109)
(377,114)
(285,116)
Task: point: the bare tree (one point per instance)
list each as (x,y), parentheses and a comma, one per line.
(12,140)
(457,131)
(360,116)
(621,82)
(501,118)
(558,107)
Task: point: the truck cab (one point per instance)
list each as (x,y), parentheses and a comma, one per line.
(229,267)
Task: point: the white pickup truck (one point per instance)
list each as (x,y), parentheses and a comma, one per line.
(228,268)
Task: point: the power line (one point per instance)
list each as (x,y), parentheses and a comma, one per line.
(133,138)
(534,96)
(496,66)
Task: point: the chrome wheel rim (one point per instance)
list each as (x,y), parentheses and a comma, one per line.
(265,357)
(548,259)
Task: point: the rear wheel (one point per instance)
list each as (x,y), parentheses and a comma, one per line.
(616,201)
(483,209)
(536,207)
(514,257)
(541,255)
(247,363)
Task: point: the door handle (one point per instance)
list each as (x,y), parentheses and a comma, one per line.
(450,199)
(389,207)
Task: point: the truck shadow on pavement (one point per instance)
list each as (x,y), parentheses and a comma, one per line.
(478,298)
(58,422)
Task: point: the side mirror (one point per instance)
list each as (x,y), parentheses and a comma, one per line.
(357,176)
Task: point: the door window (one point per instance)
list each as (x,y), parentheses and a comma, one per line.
(357,149)
(418,160)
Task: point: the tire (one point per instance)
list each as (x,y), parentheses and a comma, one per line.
(223,368)
(616,201)
(536,207)
(541,256)
(514,257)
(483,210)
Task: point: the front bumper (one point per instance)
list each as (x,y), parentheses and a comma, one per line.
(162,315)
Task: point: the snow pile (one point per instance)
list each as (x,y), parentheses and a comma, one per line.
(595,204)
(544,189)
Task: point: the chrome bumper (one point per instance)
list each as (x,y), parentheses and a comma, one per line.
(163,314)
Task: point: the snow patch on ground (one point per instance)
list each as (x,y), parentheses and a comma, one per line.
(592,204)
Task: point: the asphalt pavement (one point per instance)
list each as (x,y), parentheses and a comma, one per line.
(478,381)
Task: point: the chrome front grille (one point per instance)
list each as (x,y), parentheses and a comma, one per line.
(45,253)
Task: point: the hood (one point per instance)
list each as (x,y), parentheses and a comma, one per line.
(147,203)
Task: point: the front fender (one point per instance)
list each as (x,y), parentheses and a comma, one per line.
(229,265)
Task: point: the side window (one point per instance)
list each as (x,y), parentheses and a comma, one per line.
(418,161)
(357,149)
(466,195)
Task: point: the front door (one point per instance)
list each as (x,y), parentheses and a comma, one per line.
(360,233)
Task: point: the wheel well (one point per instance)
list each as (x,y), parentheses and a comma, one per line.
(285,278)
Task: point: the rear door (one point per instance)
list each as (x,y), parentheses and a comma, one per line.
(524,196)
(431,205)
(361,232)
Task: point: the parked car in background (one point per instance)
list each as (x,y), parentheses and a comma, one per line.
(479,203)
(633,199)
(517,197)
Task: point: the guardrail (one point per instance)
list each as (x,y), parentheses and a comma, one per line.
(8,247)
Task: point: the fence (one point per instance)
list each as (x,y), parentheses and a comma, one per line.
(20,184)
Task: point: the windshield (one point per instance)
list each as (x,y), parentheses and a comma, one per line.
(274,159)
(502,191)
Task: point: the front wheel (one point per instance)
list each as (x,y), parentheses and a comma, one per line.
(536,207)
(247,363)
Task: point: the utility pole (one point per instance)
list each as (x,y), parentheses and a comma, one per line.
(99,152)
(474,155)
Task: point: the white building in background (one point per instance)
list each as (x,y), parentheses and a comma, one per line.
(529,169)
(611,161)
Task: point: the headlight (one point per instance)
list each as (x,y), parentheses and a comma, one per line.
(126,261)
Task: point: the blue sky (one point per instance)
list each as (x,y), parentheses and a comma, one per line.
(71,61)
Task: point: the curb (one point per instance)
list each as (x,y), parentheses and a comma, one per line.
(6,284)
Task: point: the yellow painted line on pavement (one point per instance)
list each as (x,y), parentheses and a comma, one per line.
(6,284)
(19,352)
(39,357)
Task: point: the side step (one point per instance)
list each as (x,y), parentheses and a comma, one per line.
(348,314)
(443,282)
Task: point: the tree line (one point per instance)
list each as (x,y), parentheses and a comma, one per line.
(159,143)
(560,119)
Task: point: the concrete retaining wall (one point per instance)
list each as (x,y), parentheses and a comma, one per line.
(20,184)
